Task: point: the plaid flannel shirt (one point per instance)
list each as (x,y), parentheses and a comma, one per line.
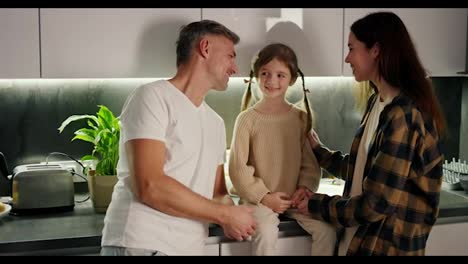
(401,184)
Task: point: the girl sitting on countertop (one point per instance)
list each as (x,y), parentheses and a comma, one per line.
(271,165)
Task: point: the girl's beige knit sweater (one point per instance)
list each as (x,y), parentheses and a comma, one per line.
(270,153)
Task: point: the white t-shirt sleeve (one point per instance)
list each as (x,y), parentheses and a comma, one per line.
(145,115)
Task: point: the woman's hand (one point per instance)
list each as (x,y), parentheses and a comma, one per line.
(303,207)
(298,195)
(313,138)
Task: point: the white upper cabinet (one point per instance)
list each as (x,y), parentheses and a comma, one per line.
(111,43)
(438,34)
(316,35)
(19,43)
(136,43)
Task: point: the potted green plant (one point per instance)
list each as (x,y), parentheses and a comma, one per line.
(103,131)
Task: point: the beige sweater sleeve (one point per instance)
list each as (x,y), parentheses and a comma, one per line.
(241,172)
(310,173)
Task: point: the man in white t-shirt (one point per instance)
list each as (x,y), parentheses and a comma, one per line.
(172,150)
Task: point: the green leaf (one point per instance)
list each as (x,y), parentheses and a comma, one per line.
(91,125)
(84,138)
(89,157)
(86,131)
(74,118)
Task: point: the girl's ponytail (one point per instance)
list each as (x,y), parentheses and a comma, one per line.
(306,104)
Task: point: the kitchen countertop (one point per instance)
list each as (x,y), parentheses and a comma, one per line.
(79,231)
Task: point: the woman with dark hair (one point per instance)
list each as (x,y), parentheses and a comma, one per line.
(393,172)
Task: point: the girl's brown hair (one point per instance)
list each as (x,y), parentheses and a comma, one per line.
(399,64)
(286,55)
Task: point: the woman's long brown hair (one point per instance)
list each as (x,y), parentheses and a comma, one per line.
(399,64)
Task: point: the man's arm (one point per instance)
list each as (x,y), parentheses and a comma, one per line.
(152,187)
(220,193)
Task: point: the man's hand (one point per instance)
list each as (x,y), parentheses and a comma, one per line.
(240,223)
(277,201)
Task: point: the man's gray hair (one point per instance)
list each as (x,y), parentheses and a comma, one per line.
(192,33)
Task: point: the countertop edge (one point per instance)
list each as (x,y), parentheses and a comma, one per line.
(216,235)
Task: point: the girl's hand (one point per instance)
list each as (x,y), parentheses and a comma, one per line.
(277,201)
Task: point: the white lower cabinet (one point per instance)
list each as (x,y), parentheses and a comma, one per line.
(235,249)
(211,250)
(295,246)
(448,240)
(287,246)
(445,240)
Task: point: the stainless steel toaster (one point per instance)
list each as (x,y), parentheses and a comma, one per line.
(42,188)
